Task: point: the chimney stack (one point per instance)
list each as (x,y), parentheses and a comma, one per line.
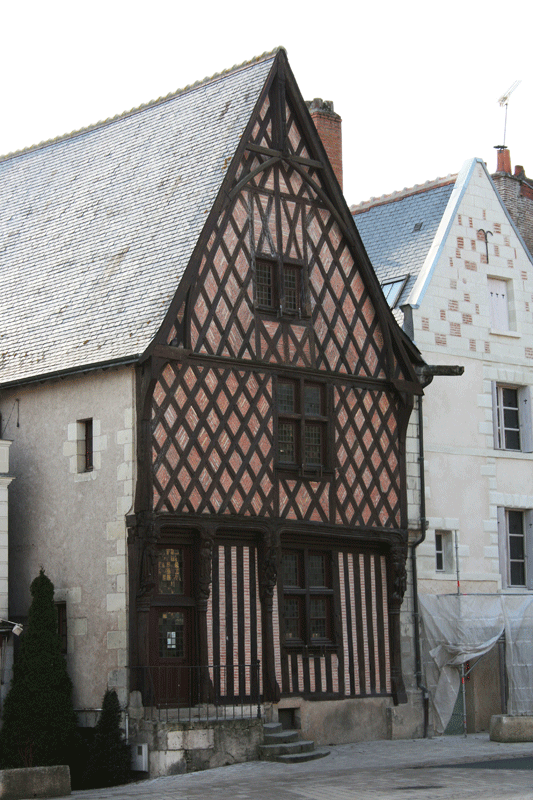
(328,125)
(503,163)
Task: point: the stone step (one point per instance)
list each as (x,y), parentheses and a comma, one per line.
(279,737)
(269,752)
(298,758)
(272,727)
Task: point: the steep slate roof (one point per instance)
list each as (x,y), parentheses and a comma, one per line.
(387,228)
(97,228)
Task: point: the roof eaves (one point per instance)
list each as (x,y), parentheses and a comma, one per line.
(394,197)
(70,371)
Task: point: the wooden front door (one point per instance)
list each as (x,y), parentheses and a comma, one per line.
(172,629)
(170,656)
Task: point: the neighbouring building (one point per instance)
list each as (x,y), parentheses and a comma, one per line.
(213,400)
(452,259)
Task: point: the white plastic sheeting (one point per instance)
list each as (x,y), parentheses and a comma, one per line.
(461,628)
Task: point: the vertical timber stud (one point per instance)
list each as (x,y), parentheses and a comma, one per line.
(205,558)
(397,579)
(268,576)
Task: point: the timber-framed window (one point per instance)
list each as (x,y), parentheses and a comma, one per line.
(302,425)
(307,598)
(280,288)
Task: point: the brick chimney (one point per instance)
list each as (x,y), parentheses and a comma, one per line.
(516,191)
(328,124)
(504,160)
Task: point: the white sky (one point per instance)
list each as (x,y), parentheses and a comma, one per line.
(416,82)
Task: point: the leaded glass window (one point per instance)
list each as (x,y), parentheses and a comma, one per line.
(170,571)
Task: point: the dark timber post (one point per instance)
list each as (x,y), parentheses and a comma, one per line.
(268,566)
(202,596)
(397,579)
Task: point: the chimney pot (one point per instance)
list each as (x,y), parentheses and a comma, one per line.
(504,160)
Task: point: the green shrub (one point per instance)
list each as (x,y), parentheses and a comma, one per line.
(109,757)
(39,724)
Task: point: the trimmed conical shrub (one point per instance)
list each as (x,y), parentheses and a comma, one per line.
(109,759)
(39,724)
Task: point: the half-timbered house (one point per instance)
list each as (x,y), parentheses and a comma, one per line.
(209,363)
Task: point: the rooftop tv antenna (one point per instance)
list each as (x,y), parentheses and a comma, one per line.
(504,101)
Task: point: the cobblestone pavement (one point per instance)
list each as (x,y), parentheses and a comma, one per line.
(382,770)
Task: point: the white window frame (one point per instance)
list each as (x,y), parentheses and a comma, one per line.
(525,425)
(503,539)
(393,288)
(445,551)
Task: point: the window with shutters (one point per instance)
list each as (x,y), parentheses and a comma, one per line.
(499,310)
(515,531)
(511,415)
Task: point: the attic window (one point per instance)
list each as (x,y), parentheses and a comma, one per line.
(418,227)
(393,289)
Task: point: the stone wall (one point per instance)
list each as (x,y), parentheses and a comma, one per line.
(178,747)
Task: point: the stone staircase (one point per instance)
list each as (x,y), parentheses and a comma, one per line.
(286,746)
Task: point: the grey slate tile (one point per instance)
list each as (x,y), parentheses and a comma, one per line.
(96,229)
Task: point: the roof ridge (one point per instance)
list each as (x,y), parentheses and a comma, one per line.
(150,104)
(418,188)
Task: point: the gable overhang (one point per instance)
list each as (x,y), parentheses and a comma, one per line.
(437,246)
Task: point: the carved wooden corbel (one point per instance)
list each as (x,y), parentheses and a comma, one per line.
(397,585)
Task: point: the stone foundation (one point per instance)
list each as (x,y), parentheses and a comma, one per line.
(177,747)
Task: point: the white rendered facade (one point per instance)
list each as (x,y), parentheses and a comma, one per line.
(471,305)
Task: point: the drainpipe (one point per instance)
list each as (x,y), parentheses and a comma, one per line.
(426,374)
(423,529)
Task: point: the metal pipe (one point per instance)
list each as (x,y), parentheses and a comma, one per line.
(423,529)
